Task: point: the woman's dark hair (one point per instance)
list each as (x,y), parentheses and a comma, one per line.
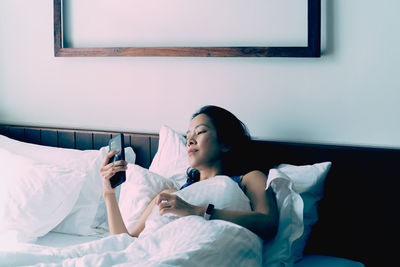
(232,133)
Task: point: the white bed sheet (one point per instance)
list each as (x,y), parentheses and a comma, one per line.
(181,242)
(61,240)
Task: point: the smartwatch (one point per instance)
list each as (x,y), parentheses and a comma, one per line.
(209,212)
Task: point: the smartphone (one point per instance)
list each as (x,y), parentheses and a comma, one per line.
(117,143)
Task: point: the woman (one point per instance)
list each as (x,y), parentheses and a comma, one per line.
(216,139)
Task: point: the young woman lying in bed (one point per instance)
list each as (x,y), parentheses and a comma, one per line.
(215,139)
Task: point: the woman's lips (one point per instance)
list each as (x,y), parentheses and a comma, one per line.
(191,151)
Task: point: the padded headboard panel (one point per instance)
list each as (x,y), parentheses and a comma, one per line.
(357,215)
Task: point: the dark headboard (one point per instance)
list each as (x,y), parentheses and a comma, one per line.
(356,215)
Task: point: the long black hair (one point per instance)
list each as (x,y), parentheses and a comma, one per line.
(232,133)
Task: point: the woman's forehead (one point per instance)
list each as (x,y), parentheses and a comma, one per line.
(200,120)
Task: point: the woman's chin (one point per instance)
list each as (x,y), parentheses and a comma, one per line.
(193,163)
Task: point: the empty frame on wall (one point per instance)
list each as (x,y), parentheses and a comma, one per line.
(218,31)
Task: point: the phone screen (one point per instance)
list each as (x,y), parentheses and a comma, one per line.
(117,143)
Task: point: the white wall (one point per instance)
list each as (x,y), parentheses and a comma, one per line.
(348,96)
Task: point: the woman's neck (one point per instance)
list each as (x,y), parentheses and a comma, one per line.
(209,173)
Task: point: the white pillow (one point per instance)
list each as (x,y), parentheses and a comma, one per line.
(308,181)
(138,191)
(171,160)
(89,215)
(34,197)
(47,154)
(298,190)
(220,190)
(89,212)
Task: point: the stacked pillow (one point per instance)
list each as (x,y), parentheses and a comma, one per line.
(34,196)
(171,160)
(298,190)
(88,212)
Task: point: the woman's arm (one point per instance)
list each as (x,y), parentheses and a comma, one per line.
(108,170)
(139,225)
(262,220)
(115,221)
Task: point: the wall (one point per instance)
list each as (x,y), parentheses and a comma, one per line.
(348,96)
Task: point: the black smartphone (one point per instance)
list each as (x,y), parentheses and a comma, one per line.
(117,143)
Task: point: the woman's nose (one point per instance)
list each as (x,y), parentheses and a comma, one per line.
(190,141)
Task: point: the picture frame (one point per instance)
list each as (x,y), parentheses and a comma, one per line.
(313,48)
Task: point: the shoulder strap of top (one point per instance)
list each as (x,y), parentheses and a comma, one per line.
(238,180)
(188,182)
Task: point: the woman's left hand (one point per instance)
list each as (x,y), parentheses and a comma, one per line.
(171,203)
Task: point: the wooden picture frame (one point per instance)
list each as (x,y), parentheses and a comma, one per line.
(313,48)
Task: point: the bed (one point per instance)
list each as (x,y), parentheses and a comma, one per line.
(346,216)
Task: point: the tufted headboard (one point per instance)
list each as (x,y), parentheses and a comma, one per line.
(356,215)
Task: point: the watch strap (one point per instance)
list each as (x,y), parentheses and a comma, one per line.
(209,212)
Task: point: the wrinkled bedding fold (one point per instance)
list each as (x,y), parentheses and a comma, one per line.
(187,241)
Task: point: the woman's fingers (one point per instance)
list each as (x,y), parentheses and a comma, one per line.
(109,169)
(164,198)
(116,166)
(108,156)
(171,203)
(166,202)
(119,164)
(167,207)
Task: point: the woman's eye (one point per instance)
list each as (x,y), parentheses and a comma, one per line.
(201,132)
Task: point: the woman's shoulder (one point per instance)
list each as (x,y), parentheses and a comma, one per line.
(254,177)
(255,173)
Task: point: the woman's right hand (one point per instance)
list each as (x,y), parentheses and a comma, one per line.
(108,170)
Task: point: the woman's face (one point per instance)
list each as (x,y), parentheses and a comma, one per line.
(202,143)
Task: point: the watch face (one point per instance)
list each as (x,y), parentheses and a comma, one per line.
(210,208)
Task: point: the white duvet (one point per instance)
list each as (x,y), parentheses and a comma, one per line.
(166,240)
